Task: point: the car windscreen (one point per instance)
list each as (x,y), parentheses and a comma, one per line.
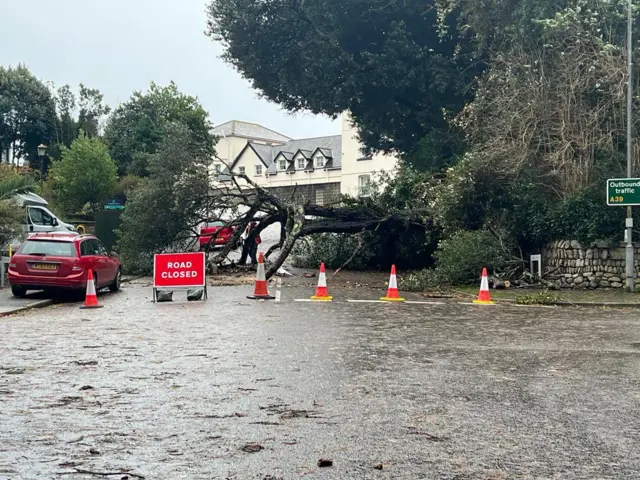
(48,247)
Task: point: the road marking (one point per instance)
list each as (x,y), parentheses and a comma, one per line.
(417,302)
(366,301)
(301,299)
(278,287)
(477,304)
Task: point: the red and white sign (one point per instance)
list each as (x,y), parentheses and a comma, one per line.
(179,270)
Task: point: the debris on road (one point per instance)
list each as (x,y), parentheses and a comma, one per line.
(378,466)
(283,273)
(325,462)
(252,448)
(85,363)
(86,387)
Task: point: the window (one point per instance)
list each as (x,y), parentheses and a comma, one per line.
(100,248)
(89,247)
(302,163)
(242,170)
(364,185)
(44,247)
(217,168)
(40,217)
(319,197)
(319,161)
(258,169)
(282,165)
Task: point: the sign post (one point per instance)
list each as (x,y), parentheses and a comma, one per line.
(179,270)
(625,192)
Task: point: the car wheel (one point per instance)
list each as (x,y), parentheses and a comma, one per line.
(115,286)
(18,291)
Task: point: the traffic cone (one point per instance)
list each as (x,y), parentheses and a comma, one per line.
(392,292)
(484,297)
(90,298)
(260,291)
(321,291)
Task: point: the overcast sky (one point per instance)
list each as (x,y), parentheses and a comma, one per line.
(119,46)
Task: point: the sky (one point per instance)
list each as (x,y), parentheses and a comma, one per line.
(120,46)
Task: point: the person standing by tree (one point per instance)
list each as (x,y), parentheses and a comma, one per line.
(253,248)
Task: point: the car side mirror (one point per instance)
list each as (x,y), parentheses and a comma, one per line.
(55,222)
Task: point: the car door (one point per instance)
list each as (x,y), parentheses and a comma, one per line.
(39,220)
(90,259)
(109,267)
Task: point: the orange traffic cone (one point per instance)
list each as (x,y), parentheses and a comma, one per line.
(484,297)
(392,292)
(321,291)
(90,298)
(260,291)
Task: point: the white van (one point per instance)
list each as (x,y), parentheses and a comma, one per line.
(38,218)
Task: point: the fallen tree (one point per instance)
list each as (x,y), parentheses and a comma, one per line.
(298,219)
(165,211)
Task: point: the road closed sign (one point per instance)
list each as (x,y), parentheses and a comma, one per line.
(179,270)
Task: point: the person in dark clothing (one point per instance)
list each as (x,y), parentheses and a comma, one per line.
(253,248)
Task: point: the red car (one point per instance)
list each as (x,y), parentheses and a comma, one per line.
(215,234)
(50,261)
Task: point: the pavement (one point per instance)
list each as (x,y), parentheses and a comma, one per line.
(10,304)
(231,388)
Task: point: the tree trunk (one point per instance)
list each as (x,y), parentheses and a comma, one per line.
(295,222)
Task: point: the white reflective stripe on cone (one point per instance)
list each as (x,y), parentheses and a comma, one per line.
(91,289)
(261,274)
(322,280)
(484,284)
(393,283)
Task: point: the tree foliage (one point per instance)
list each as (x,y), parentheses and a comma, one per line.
(11,217)
(86,174)
(27,112)
(137,128)
(400,67)
(165,209)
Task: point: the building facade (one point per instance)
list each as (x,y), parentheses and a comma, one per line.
(318,170)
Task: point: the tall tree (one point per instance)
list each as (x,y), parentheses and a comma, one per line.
(136,128)
(85,175)
(400,67)
(27,113)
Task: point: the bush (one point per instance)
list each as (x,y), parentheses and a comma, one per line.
(11,218)
(461,257)
(421,280)
(459,261)
(331,248)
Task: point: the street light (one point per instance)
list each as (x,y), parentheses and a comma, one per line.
(629,261)
(41,151)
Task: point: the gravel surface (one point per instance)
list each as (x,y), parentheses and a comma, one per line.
(233,389)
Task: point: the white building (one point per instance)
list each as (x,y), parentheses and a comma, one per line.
(319,169)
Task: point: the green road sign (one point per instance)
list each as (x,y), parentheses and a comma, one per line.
(623,191)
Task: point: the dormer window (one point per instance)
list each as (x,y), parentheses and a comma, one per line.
(319,161)
(302,162)
(282,165)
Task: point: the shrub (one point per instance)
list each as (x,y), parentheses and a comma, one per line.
(460,258)
(331,248)
(421,280)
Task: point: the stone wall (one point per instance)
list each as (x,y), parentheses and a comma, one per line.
(571,265)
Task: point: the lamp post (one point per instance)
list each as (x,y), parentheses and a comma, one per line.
(41,151)
(629,261)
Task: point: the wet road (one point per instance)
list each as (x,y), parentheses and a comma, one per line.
(175,391)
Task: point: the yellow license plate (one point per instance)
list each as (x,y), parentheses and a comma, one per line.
(45,266)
